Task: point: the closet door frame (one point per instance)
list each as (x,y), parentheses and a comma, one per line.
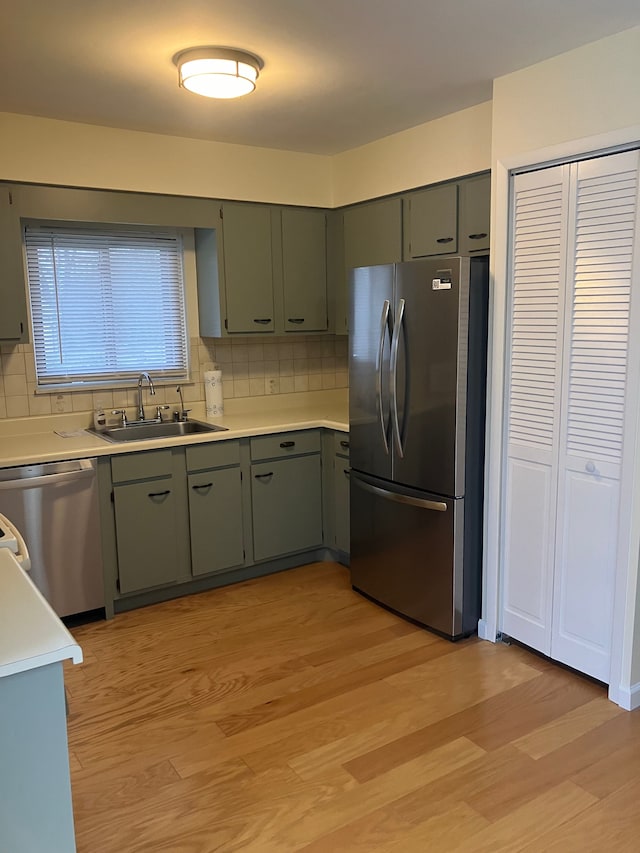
(624,684)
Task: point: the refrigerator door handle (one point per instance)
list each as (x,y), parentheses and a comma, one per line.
(393,367)
(384,324)
(437,506)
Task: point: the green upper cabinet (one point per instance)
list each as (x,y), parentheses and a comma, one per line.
(474,214)
(263,271)
(430,222)
(372,235)
(304,270)
(13,312)
(248,267)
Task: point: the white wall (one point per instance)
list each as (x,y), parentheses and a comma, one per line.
(41,150)
(447,147)
(581,101)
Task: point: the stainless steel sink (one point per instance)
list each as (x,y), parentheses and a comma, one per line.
(168,429)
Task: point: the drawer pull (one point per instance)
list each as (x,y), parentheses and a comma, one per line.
(444,240)
(263,321)
(159,494)
(297,320)
(477,236)
(344,444)
(287,444)
(263,476)
(347,472)
(203,486)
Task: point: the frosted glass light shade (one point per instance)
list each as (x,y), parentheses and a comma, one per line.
(218,72)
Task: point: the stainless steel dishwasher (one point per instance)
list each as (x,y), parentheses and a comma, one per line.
(55,506)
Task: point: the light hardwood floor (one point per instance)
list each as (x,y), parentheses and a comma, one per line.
(289,713)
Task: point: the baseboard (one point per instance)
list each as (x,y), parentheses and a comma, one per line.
(485,632)
(629,699)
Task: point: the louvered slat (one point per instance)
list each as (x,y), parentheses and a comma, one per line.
(536,278)
(599,331)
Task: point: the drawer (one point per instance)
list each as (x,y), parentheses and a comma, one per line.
(285,444)
(141,466)
(217,454)
(341,443)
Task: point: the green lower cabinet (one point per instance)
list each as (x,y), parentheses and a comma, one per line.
(146,534)
(286,500)
(341,506)
(215,520)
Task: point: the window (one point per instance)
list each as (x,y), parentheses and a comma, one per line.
(105,304)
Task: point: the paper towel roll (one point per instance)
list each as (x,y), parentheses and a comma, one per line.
(213,393)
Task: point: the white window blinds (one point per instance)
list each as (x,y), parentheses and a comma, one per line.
(105,305)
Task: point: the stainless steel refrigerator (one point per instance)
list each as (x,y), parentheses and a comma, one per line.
(417,381)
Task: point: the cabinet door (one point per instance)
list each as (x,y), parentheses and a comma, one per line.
(215,520)
(474,203)
(431,222)
(304,270)
(248,267)
(13,309)
(286,498)
(146,534)
(342,508)
(372,236)
(533,395)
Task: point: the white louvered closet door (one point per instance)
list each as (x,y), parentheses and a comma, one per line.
(602,224)
(573,236)
(539,223)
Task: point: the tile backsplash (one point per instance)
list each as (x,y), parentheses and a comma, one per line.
(250,367)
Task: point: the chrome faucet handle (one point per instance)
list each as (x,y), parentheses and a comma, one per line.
(181,415)
(159,410)
(123,414)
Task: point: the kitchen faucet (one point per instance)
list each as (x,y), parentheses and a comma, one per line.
(152,391)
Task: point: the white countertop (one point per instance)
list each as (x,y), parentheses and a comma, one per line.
(31,440)
(31,635)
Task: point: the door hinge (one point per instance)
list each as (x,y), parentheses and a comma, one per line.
(10,197)
(221,214)
(226,324)
(118,584)
(244,555)
(112,498)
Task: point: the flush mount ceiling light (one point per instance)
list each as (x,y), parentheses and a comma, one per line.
(218,72)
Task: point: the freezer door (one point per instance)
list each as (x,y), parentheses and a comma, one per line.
(370,324)
(428,374)
(407,553)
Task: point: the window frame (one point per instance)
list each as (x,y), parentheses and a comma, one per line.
(124,379)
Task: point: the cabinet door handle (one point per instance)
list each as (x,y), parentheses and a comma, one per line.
(478,236)
(203,486)
(297,320)
(159,494)
(287,444)
(347,472)
(344,444)
(263,321)
(263,476)
(444,240)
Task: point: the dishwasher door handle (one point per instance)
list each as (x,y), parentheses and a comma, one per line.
(20,483)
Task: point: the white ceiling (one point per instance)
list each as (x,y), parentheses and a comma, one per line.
(337,73)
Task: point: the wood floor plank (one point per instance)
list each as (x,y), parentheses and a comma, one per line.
(491,723)
(527,823)
(328,688)
(610,824)
(568,727)
(346,730)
